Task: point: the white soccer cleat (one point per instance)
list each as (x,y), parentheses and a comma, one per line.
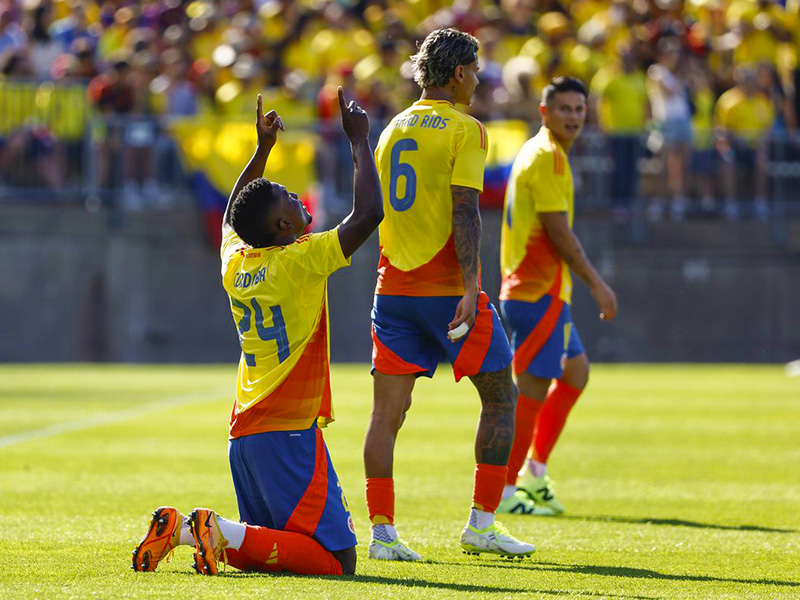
(387,545)
(395,550)
(495,539)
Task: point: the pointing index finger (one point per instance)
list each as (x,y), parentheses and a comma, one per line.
(260,111)
(341,99)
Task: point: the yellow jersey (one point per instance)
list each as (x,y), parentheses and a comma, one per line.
(279,301)
(540,181)
(423,151)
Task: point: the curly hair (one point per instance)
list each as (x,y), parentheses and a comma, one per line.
(439,55)
(250,213)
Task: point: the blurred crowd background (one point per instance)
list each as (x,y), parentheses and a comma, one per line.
(693,107)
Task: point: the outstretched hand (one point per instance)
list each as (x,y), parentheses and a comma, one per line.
(355,121)
(267,125)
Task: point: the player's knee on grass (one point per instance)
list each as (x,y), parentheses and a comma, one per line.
(347,558)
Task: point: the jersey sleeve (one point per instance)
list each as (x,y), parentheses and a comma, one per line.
(231,245)
(548,195)
(470,155)
(318,253)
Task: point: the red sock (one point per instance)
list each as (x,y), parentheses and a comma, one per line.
(489,483)
(380,500)
(272,550)
(524,422)
(552,416)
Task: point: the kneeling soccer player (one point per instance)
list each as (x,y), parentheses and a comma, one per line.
(293,511)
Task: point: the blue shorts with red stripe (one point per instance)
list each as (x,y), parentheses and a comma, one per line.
(409,336)
(285,480)
(543,336)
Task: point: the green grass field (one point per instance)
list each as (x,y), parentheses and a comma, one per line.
(680,482)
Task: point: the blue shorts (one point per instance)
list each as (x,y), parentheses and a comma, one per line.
(285,480)
(409,336)
(543,336)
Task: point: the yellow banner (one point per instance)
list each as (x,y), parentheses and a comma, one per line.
(221,149)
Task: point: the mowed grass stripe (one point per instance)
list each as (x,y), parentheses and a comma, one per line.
(662,504)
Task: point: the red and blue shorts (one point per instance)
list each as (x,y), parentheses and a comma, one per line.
(543,336)
(285,480)
(409,336)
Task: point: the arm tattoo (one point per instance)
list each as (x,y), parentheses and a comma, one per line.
(467,232)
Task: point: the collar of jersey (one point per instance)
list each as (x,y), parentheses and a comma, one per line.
(429,101)
(553,139)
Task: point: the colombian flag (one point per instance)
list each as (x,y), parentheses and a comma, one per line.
(505,140)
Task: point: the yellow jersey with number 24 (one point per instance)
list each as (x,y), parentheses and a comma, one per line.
(279,302)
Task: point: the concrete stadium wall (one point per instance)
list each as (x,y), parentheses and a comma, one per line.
(72,288)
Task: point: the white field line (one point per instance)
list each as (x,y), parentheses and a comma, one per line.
(110,418)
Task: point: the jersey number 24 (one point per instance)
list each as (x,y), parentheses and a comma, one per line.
(276,332)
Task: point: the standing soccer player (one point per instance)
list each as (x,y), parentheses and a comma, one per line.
(431,159)
(293,511)
(538,251)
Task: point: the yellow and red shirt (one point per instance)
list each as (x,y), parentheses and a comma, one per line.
(279,301)
(423,151)
(540,181)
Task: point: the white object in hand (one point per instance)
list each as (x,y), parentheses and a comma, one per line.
(458,332)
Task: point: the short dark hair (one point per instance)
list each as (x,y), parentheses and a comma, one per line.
(250,213)
(440,53)
(562,84)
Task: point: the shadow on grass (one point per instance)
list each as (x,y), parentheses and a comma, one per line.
(627,572)
(440,585)
(674,523)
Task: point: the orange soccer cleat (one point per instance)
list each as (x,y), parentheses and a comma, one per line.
(160,540)
(208,539)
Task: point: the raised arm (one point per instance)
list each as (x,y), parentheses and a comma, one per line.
(367,210)
(267,126)
(569,247)
(467,238)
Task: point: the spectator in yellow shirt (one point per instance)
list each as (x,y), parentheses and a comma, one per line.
(619,92)
(743,116)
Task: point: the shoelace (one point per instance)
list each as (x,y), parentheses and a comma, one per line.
(500,528)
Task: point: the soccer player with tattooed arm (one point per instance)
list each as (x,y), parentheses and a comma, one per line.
(293,512)
(538,253)
(428,298)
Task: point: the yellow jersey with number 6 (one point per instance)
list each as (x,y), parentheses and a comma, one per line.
(422,152)
(279,301)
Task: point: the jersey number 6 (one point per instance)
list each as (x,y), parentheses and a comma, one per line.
(399,169)
(277,332)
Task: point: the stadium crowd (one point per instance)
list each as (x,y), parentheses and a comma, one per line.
(700,86)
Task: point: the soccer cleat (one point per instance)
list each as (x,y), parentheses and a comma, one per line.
(160,540)
(208,540)
(495,539)
(521,504)
(540,490)
(386,545)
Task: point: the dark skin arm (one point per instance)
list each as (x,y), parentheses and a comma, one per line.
(367,211)
(569,247)
(267,126)
(467,238)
